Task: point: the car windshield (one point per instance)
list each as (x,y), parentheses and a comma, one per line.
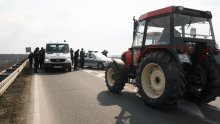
(57,48)
(192,27)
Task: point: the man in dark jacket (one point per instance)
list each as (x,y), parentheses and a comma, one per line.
(36,59)
(82,57)
(42,56)
(71,54)
(76,56)
(30,57)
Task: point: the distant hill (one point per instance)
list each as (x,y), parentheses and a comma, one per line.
(12,57)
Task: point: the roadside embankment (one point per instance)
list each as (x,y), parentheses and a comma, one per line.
(14,102)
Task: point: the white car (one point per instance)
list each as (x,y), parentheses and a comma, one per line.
(96,59)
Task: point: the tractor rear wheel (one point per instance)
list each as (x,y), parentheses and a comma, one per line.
(212,87)
(160,80)
(115,77)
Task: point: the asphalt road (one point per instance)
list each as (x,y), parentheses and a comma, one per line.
(81,97)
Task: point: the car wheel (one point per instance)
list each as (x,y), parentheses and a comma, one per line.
(100,65)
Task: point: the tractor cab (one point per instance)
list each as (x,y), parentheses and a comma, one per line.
(173,26)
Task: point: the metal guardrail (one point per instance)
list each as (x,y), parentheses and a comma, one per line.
(8,76)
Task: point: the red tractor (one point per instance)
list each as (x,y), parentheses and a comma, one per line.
(173,56)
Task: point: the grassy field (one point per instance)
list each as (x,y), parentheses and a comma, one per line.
(6,64)
(7,60)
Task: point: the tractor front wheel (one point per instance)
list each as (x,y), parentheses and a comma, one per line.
(115,77)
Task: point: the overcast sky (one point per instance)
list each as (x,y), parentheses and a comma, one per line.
(88,24)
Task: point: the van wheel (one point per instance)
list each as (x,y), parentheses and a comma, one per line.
(69,69)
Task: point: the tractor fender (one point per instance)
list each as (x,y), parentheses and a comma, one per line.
(171,51)
(122,67)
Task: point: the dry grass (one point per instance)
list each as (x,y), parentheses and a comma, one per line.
(4,65)
(13,103)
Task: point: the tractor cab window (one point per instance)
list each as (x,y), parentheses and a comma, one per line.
(138,40)
(158,31)
(192,27)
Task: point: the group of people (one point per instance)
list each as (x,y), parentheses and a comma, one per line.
(39,54)
(38,57)
(75,56)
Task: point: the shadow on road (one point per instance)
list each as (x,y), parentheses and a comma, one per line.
(134,111)
(94,68)
(52,72)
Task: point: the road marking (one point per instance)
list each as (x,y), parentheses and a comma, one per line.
(88,71)
(102,75)
(36,116)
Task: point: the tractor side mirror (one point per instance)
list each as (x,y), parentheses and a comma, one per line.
(193,32)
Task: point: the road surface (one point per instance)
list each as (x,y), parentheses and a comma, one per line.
(81,97)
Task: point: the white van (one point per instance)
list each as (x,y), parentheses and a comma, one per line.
(57,56)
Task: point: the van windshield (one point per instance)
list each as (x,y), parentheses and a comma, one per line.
(57,48)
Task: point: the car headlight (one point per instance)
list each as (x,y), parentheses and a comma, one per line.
(47,60)
(68,60)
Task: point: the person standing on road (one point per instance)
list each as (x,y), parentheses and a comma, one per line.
(36,59)
(71,54)
(82,57)
(30,57)
(76,56)
(42,56)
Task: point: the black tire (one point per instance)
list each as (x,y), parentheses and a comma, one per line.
(100,65)
(45,69)
(170,80)
(115,77)
(212,88)
(69,69)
